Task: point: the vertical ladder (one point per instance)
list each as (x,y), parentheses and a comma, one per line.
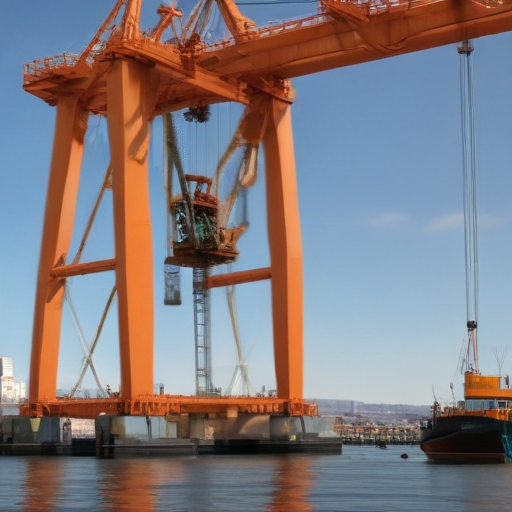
(202,331)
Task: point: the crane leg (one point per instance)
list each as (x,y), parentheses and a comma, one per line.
(285,251)
(70,127)
(128,125)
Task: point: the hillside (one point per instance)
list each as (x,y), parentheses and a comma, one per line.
(376,412)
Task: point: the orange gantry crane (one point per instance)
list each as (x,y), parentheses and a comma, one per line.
(130,77)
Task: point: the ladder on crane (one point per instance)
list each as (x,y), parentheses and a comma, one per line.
(202,326)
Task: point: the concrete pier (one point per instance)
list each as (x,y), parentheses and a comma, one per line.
(112,436)
(21,435)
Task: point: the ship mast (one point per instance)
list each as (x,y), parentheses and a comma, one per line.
(465,49)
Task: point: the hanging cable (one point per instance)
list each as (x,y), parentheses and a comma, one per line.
(465,49)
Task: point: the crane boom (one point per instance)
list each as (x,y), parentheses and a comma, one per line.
(166,13)
(131,19)
(97,37)
(237,24)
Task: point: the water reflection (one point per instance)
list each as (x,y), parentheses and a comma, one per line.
(361,480)
(41,484)
(274,484)
(223,483)
(131,484)
(293,479)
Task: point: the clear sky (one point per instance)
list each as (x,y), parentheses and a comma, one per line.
(378,156)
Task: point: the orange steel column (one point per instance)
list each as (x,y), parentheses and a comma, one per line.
(285,251)
(70,126)
(128,127)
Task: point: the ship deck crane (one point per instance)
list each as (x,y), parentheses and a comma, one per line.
(130,77)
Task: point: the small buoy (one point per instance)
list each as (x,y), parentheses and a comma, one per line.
(404,456)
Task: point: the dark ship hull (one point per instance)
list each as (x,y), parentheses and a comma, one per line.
(467,437)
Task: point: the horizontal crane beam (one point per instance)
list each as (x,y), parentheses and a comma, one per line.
(341,38)
(83,268)
(169,61)
(243,276)
(344,34)
(166,405)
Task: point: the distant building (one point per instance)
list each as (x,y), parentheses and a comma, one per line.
(10,390)
(6,369)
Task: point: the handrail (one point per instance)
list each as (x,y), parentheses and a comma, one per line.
(41,66)
(368,7)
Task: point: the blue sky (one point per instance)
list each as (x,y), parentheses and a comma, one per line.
(378,156)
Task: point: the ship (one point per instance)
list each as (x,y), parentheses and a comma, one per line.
(477,429)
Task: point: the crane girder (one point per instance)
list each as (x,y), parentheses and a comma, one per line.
(329,40)
(171,65)
(343,35)
(175,77)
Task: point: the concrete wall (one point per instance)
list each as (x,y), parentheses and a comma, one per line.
(133,429)
(245,426)
(36,430)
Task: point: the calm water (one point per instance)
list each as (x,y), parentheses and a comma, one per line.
(362,479)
